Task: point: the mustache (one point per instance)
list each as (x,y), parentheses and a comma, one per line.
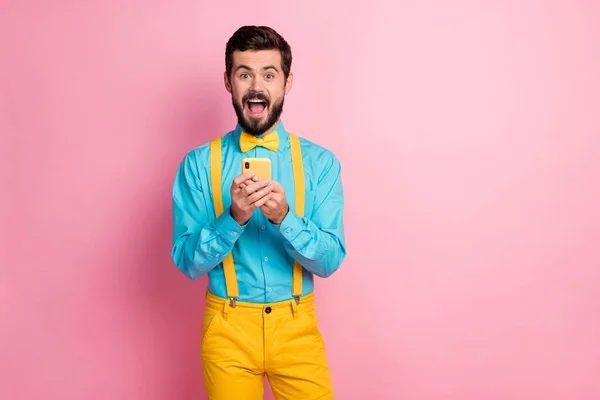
(255,96)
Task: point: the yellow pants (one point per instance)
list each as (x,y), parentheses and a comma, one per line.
(282,340)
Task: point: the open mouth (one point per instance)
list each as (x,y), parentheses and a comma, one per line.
(256,106)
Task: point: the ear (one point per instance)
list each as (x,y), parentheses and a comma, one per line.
(289,83)
(226,80)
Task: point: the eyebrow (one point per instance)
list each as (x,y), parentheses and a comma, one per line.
(242,66)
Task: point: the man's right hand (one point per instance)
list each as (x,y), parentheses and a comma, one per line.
(248,192)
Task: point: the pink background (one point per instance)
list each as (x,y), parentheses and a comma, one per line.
(470,140)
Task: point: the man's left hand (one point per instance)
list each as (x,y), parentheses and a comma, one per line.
(276,208)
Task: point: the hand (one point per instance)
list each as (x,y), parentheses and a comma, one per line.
(248,193)
(276,207)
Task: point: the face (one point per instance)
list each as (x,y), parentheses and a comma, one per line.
(258,87)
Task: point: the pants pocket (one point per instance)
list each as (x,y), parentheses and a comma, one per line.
(312,323)
(208,322)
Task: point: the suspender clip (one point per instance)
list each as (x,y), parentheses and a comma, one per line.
(232,302)
(297,299)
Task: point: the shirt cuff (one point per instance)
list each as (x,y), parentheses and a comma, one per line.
(228,228)
(291,225)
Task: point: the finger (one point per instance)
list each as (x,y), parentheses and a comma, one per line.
(237,190)
(270,204)
(259,194)
(260,202)
(277,188)
(254,179)
(246,183)
(240,187)
(253,187)
(242,178)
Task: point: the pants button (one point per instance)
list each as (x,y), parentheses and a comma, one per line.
(268,310)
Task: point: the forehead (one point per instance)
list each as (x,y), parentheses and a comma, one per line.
(257,59)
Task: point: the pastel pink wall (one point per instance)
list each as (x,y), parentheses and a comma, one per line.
(469,134)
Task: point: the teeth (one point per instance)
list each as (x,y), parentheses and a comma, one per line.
(256,101)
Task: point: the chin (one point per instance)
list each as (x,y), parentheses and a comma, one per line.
(258,125)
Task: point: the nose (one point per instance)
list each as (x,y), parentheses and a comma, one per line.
(256,85)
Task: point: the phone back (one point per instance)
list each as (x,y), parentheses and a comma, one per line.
(260,166)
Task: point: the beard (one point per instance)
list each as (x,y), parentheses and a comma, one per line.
(251,125)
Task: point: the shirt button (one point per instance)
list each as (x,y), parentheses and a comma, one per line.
(263,227)
(268,310)
(287,230)
(234,233)
(266,258)
(270,289)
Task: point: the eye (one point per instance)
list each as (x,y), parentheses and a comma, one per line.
(244,76)
(270,76)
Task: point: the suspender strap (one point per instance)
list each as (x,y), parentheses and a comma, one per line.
(215,178)
(299,189)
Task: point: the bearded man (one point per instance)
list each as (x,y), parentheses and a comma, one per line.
(260,240)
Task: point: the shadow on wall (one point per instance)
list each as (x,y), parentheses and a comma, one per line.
(174,303)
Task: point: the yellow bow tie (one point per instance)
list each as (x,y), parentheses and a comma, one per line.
(248,142)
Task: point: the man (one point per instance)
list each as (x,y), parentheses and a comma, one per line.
(260,241)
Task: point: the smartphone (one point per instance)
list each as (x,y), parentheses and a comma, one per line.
(260,166)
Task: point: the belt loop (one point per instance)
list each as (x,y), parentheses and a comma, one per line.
(294,304)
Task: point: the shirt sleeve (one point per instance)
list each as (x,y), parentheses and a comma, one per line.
(200,241)
(318,242)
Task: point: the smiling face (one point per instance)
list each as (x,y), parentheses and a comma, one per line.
(258,87)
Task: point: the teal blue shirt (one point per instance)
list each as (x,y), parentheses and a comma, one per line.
(263,252)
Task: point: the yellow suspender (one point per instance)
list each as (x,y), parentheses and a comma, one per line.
(215,176)
(299,189)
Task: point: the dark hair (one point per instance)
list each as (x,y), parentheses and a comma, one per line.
(258,38)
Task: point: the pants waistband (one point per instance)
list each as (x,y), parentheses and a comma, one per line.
(219,303)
